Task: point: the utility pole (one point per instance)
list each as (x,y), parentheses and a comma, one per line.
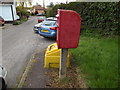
(44,6)
(66,1)
(44,3)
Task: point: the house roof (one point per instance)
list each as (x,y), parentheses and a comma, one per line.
(38,7)
(6,0)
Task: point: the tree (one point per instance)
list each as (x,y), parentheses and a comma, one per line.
(51,4)
(24,2)
(36,12)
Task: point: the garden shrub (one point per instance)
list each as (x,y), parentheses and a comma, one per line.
(101,17)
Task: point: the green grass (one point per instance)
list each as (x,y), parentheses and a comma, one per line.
(97,59)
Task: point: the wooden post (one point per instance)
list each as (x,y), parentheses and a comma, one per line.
(63,61)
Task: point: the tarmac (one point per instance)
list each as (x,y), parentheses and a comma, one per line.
(36,76)
(5,26)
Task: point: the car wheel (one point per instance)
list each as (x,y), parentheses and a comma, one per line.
(45,37)
(35,32)
(39,31)
(2,84)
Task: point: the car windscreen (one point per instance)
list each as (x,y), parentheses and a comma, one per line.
(48,23)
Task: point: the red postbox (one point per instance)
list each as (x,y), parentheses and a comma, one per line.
(68,34)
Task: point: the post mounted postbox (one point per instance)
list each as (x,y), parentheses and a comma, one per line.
(68,34)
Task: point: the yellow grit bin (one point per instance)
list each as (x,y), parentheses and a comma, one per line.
(52,57)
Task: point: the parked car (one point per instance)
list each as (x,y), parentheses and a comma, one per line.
(52,19)
(41,18)
(18,17)
(48,28)
(3,74)
(2,22)
(36,27)
(40,14)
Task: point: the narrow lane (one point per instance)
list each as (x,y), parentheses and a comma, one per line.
(18,44)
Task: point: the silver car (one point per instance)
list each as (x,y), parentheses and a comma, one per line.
(36,27)
(3,73)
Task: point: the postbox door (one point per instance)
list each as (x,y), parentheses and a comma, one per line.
(68,34)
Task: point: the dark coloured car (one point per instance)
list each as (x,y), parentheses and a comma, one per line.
(2,22)
(41,18)
(36,27)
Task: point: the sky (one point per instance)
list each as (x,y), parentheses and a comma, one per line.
(47,2)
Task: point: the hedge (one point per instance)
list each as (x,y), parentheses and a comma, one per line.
(100,17)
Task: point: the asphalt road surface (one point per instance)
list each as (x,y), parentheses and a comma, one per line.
(19,43)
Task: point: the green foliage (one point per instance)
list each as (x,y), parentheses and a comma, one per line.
(36,12)
(32,14)
(51,4)
(22,12)
(20,22)
(97,59)
(100,17)
(16,22)
(49,13)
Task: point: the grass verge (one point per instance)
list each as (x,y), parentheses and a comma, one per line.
(97,59)
(27,70)
(20,21)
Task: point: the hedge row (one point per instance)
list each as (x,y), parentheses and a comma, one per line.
(100,17)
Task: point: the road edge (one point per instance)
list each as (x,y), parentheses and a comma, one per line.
(25,73)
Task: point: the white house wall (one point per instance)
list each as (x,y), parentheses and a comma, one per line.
(6,12)
(14,12)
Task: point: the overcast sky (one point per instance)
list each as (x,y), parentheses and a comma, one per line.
(47,2)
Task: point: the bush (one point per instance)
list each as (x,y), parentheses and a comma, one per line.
(36,12)
(102,18)
(20,22)
(32,14)
(16,22)
(22,12)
